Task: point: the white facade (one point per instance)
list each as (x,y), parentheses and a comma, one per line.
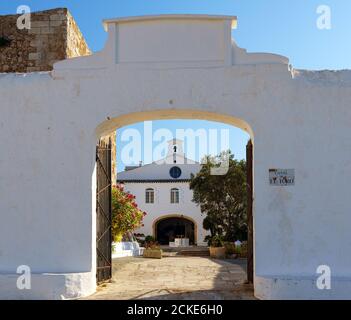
(50,124)
(163,208)
(156,176)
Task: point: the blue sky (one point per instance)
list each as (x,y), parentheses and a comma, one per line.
(278,26)
(237,139)
(284,27)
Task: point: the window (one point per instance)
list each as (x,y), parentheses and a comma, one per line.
(174,195)
(149,196)
(175,172)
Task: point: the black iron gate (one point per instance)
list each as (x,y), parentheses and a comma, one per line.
(250,254)
(103,212)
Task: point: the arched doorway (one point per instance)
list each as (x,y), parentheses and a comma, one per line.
(170,228)
(166,229)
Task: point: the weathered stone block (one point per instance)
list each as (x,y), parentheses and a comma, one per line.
(152,253)
(56,23)
(47,30)
(34,43)
(33,30)
(41,16)
(59,17)
(33,69)
(39,24)
(34,56)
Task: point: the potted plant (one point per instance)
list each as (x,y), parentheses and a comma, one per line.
(126,217)
(149,239)
(217,249)
(152,250)
(230,250)
(242,250)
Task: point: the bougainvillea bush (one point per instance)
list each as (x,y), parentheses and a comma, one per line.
(126,216)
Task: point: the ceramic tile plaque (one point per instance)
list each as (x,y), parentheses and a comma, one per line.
(282,177)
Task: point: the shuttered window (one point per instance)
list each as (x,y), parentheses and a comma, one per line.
(149,196)
(174,195)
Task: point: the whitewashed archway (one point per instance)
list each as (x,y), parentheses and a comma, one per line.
(162,68)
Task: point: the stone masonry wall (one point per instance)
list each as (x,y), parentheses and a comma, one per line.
(76,44)
(53,36)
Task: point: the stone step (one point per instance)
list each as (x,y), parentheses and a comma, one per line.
(195,253)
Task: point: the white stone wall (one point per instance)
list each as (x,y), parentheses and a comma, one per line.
(163,206)
(50,123)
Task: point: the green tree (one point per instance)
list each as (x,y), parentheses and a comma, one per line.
(222,198)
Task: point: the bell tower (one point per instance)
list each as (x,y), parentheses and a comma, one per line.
(175,150)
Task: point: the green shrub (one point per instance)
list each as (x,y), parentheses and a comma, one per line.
(230,248)
(208,239)
(149,239)
(217,242)
(243,250)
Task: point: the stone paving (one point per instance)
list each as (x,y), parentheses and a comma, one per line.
(176,278)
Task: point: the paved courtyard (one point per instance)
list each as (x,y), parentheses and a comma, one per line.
(176,278)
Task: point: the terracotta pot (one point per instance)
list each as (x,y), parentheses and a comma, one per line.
(217,252)
(152,253)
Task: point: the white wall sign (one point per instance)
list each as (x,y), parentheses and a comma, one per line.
(282,177)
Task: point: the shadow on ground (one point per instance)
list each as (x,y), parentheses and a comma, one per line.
(176,278)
